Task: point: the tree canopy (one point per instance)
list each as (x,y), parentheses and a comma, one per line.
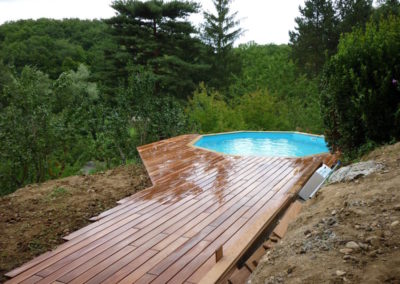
(158,35)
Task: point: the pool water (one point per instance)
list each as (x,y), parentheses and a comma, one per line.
(267,144)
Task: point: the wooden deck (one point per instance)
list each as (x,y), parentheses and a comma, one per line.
(199,201)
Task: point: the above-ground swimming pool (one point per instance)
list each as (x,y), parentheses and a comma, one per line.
(267,144)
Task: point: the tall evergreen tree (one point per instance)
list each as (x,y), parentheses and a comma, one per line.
(220,31)
(386,7)
(158,35)
(353,14)
(315,36)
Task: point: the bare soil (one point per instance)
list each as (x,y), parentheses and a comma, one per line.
(34,219)
(349,233)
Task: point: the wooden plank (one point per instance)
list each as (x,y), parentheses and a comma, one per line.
(289,216)
(179,264)
(203,256)
(55,271)
(66,249)
(128,264)
(202,270)
(140,272)
(254,259)
(263,220)
(31,280)
(146,279)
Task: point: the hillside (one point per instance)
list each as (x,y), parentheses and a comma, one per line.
(350,233)
(34,219)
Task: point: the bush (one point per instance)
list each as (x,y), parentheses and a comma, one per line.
(360,97)
(261,111)
(154,117)
(208,113)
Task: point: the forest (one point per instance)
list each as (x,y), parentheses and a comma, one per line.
(73,91)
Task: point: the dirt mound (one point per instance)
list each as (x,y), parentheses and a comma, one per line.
(350,233)
(34,219)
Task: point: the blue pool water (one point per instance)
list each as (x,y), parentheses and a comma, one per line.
(272,144)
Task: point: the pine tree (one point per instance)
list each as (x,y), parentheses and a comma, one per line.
(158,35)
(386,8)
(220,31)
(315,36)
(353,14)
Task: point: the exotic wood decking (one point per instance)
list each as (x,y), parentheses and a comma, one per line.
(199,201)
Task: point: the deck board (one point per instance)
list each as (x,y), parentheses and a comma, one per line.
(199,201)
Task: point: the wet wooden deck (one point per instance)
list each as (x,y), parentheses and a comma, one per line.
(199,201)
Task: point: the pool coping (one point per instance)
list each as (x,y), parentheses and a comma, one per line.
(191,144)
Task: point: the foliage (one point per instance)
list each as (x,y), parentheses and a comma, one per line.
(158,34)
(319,27)
(208,112)
(386,8)
(53,46)
(27,131)
(353,14)
(153,117)
(270,67)
(220,31)
(261,111)
(50,128)
(315,36)
(361,97)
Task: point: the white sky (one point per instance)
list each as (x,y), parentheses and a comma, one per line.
(265,21)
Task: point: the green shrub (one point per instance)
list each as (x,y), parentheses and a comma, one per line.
(261,111)
(207,112)
(360,96)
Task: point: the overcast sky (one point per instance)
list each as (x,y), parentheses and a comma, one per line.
(265,21)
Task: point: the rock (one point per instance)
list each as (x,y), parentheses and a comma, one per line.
(352,245)
(307,232)
(333,212)
(340,273)
(346,250)
(346,257)
(373,240)
(397,207)
(331,221)
(291,269)
(394,224)
(355,171)
(363,246)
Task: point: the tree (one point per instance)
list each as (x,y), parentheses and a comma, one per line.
(159,35)
(353,14)
(386,8)
(315,38)
(361,96)
(220,31)
(53,46)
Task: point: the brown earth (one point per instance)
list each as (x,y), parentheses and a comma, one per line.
(34,219)
(349,233)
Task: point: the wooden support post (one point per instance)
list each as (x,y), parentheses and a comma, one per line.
(219,253)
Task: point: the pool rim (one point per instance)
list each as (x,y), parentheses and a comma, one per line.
(193,142)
